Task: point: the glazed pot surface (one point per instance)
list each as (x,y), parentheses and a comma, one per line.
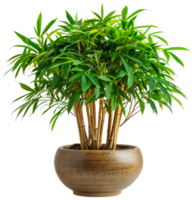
(98,172)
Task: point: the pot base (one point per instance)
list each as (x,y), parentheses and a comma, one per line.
(98,194)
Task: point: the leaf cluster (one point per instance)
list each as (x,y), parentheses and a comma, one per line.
(106,54)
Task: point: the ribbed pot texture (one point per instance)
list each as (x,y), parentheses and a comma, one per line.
(98,173)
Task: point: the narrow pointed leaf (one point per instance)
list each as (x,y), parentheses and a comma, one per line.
(39,24)
(66,69)
(76,76)
(77,96)
(104,78)
(24,46)
(102,10)
(176,48)
(55,79)
(177,59)
(152,84)
(113,103)
(69,17)
(135,13)
(49,25)
(124,95)
(20,36)
(93,79)
(94,13)
(25,87)
(83,83)
(121,74)
(126,65)
(34,45)
(165,92)
(108,90)
(132,58)
(152,105)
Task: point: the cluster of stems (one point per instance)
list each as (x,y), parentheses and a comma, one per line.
(93,140)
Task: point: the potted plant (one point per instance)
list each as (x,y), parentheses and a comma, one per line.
(91,68)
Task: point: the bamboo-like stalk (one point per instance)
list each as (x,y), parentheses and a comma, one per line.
(89,139)
(102,125)
(78,124)
(110,143)
(95,122)
(99,122)
(83,132)
(120,121)
(90,130)
(109,123)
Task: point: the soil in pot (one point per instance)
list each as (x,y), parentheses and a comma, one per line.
(78,147)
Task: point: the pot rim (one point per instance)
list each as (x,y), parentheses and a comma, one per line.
(66,147)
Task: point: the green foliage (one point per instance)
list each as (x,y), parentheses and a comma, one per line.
(101,54)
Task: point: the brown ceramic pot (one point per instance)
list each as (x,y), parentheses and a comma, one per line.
(98,173)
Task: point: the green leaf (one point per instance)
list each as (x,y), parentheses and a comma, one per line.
(83,83)
(38,24)
(102,10)
(77,69)
(34,45)
(104,78)
(20,36)
(71,102)
(35,106)
(76,15)
(176,48)
(66,69)
(108,90)
(25,87)
(24,46)
(132,91)
(152,84)
(39,67)
(165,92)
(130,78)
(160,38)
(178,101)
(142,105)
(124,95)
(93,79)
(152,104)
(132,58)
(124,12)
(56,65)
(22,97)
(89,98)
(55,119)
(126,65)
(121,73)
(113,56)
(77,96)
(166,55)
(135,13)
(94,13)
(121,104)
(77,62)
(78,75)
(48,26)
(145,65)
(17,72)
(69,17)
(108,17)
(97,92)
(55,79)
(115,89)
(150,40)
(177,59)
(113,103)
(18,62)
(164,82)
